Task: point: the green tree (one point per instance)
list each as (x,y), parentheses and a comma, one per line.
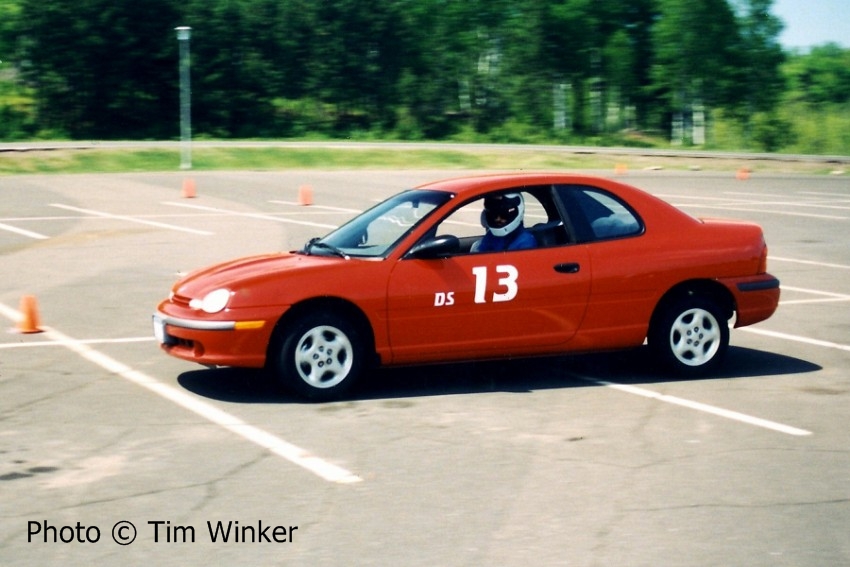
(695,60)
(627,55)
(452,71)
(817,102)
(9,12)
(16,115)
(551,54)
(229,77)
(570,60)
(354,59)
(759,84)
(432,62)
(621,79)
(625,34)
(499,69)
(760,56)
(101,68)
(820,76)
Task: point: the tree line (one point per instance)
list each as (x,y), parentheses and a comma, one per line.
(504,70)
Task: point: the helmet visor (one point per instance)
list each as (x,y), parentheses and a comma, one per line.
(500,210)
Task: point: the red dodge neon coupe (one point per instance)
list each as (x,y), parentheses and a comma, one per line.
(418,279)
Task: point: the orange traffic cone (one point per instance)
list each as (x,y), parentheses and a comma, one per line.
(743,174)
(305,195)
(621,169)
(29,322)
(188,188)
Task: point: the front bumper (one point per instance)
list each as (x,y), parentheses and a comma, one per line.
(219,343)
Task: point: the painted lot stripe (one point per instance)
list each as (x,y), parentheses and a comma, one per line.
(23,232)
(705,198)
(822,203)
(761,201)
(842,197)
(821,300)
(131,219)
(296,455)
(260,216)
(82,342)
(795,338)
(803,204)
(321,207)
(827,296)
(809,262)
(77,217)
(751,210)
(705,408)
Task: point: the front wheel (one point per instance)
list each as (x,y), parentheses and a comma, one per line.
(690,336)
(320,356)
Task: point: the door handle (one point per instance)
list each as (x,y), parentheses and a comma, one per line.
(568,268)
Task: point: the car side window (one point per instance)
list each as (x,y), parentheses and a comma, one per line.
(599,215)
(466,223)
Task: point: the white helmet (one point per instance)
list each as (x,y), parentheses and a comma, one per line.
(503,213)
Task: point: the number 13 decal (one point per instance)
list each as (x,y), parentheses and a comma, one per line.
(508,282)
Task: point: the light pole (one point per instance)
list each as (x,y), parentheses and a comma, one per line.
(183,35)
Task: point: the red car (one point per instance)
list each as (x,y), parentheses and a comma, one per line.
(416,279)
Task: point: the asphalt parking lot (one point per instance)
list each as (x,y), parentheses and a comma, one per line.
(113,453)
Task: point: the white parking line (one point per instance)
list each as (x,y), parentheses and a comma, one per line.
(706,198)
(823,203)
(260,216)
(795,338)
(705,408)
(749,210)
(321,207)
(733,204)
(23,232)
(81,341)
(296,455)
(828,296)
(131,219)
(809,262)
(803,204)
(761,196)
(842,197)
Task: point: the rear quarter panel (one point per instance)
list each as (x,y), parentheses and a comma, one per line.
(632,274)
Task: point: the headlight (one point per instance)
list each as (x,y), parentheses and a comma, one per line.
(213,302)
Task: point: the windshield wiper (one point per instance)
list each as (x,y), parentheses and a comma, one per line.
(316,242)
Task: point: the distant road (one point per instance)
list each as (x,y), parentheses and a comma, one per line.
(586,150)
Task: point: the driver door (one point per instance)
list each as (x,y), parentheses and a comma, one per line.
(488,304)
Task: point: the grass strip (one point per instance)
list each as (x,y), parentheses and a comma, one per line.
(95,160)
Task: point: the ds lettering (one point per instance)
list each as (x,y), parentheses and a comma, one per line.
(444,298)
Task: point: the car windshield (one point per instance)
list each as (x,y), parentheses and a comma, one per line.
(374,233)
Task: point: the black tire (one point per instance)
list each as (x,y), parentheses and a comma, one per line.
(319,356)
(690,335)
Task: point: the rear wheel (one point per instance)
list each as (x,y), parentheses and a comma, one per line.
(690,336)
(320,356)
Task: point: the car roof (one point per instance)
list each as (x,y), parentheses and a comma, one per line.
(471,185)
(647,205)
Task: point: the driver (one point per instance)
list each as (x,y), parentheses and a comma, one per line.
(502,217)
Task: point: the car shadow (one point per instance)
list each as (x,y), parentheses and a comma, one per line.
(238,385)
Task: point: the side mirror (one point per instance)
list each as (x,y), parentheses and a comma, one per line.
(435,247)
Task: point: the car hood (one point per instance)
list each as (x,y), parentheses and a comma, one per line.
(251,270)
